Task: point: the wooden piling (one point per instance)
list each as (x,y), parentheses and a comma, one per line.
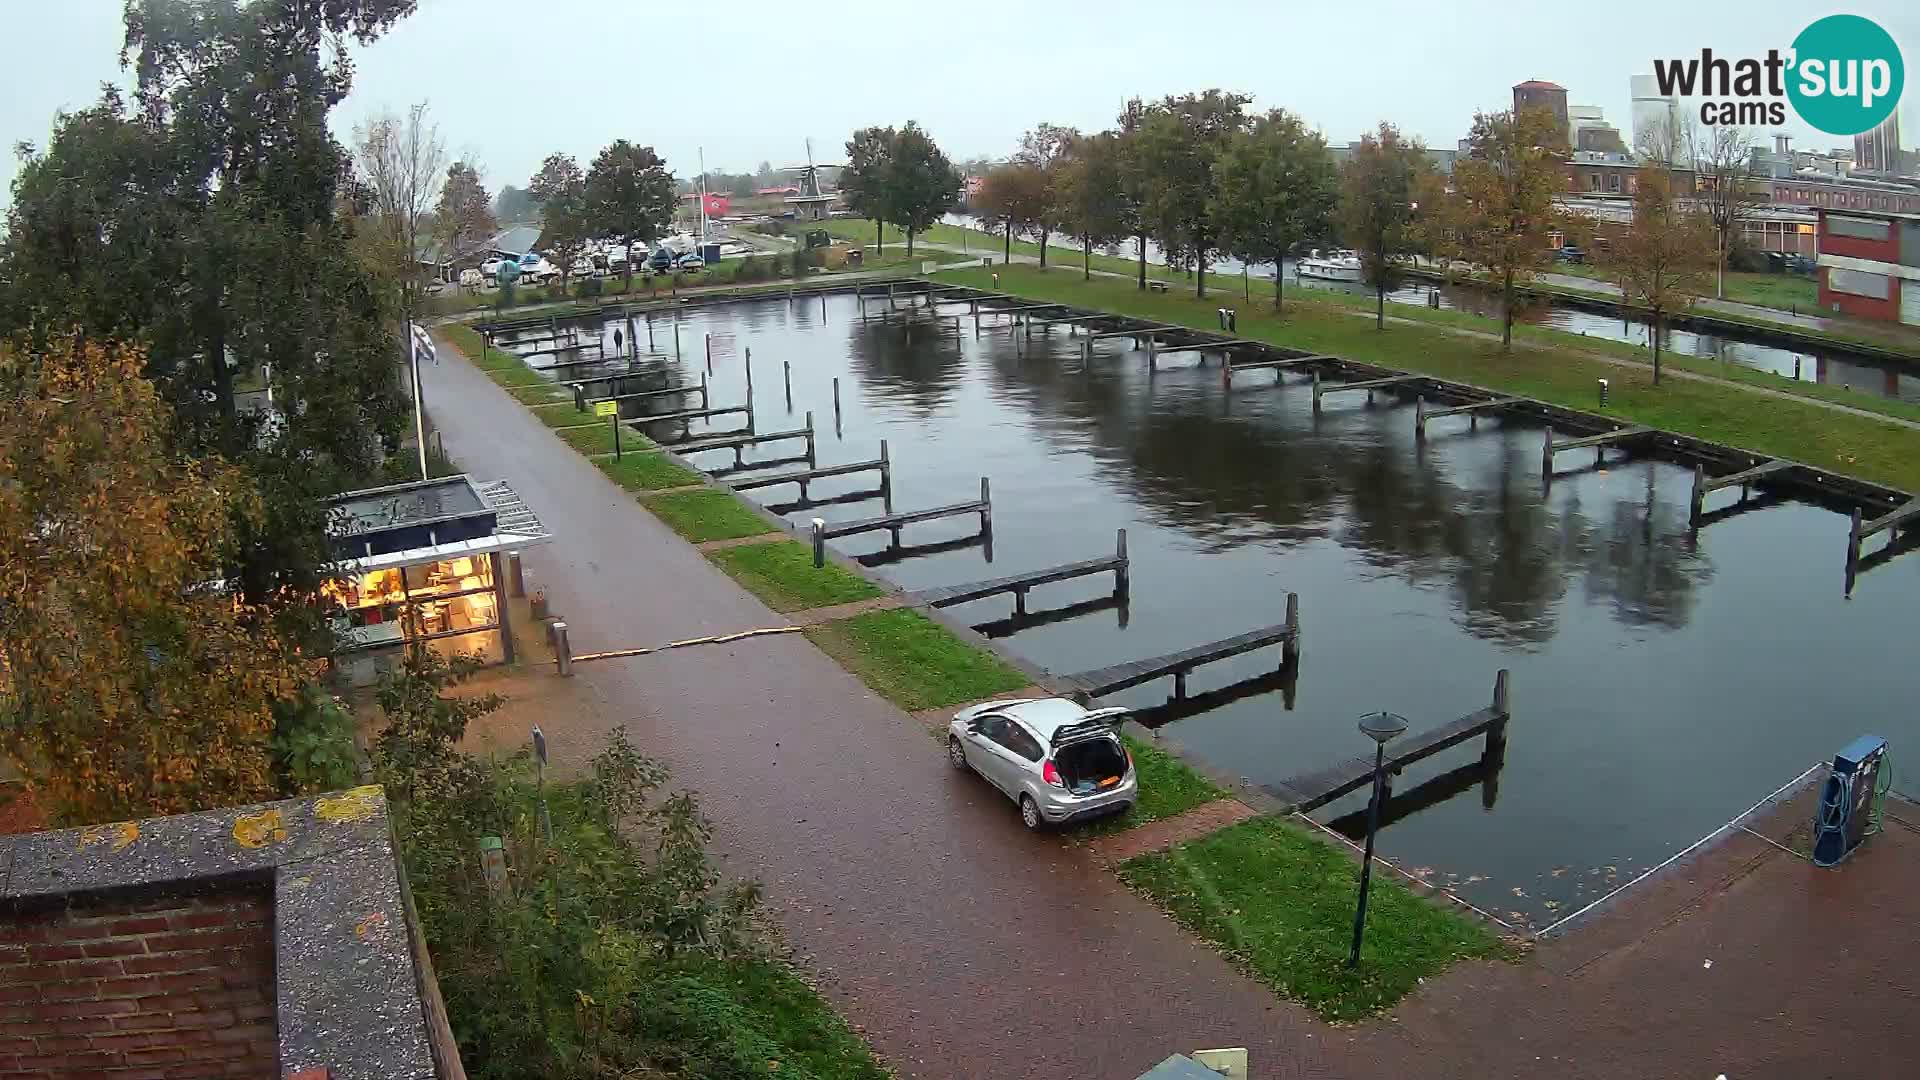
(786,377)
(1853,543)
(1290,647)
(709,354)
(562,650)
(1494,751)
(749,364)
(986,508)
(1419,416)
(836,405)
(886,478)
(1699,494)
(819,529)
(1122,577)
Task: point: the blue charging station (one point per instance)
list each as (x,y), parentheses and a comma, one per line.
(1849,807)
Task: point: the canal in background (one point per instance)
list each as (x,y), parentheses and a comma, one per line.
(1825,367)
(1661,684)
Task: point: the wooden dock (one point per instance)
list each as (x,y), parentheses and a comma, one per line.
(892,523)
(882,465)
(647,395)
(1321,389)
(739,443)
(1309,791)
(1020,584)
(689,415)
(1599,443)
(1895,521)
(1013,624)
(1101,681)
(1471,409)
(1704,485)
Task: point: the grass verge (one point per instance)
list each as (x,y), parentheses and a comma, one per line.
(913,661)
(1279,901)
(1863,446)
(646,472)
(781,572)
(707,515)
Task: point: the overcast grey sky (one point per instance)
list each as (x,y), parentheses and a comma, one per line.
(512,81)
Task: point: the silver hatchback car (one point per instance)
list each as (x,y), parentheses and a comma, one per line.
(1058,761)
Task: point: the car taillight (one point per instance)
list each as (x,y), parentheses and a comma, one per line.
(1051,775)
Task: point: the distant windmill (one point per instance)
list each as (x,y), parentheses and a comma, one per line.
(814,200)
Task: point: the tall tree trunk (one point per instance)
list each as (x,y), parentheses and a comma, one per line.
(1140,246)
(1655,331)
(1380,305)
(1200,278)
(879,236)
(1279,275)
(1043,248)
(1506,313)
(1006,255)
(1086,259)
(1720,271)
(909,243)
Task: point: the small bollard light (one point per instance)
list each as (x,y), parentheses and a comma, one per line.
(1603,393)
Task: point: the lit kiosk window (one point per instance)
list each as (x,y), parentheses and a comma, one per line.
(424,562)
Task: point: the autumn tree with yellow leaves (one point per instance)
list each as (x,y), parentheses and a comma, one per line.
(132,683)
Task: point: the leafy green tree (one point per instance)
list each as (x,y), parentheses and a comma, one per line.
(566,222)
(515,204)
(1090,195)
(1178,143)
(463,219)
(921,183)
(1505,187)
(1134,180)
(864,183)
(1277,189)
(213,221)
(1376,207)
(629,197)
(1046,149)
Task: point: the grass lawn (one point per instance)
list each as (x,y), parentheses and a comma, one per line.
(597,439)
(707,515)
(645,472)
(781,572)
(769,1015)
(1858,445)
(977,243)
(1279,901)
(913,661)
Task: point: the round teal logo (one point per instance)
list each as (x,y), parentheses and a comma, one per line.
(1847,75)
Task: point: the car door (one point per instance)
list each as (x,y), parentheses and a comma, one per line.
(983,753)
(997,759)
(1023,753)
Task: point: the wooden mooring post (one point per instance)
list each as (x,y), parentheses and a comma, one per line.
(836,384)
(786,377)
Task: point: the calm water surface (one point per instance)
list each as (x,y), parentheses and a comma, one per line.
(1662,683)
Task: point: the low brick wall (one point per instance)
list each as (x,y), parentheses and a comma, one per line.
(166,986)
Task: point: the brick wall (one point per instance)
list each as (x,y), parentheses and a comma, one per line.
(143,988)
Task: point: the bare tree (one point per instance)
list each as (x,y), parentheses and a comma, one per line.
(1663,257)
(1722,158)
(402,160)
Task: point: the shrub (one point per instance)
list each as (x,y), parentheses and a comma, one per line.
(747,269)
(589,288)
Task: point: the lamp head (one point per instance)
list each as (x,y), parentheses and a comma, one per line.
(1383,727)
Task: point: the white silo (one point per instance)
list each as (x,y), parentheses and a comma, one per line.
(1655,117)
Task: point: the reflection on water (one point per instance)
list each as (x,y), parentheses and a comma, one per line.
(1662,682)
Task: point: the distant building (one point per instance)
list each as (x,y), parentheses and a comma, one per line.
(778,192)
(1654,116)
(1536,93)
(1870,265)
(1592,132)
(719,203)
(1441,159)
(1877,150)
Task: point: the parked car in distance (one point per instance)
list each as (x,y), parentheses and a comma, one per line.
(490,269)
(536,269)
(660,261)
(1801,264)
(470,278)
(1570,254)
(1056,760)
(690,262)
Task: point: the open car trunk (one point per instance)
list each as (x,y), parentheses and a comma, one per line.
(1088,766)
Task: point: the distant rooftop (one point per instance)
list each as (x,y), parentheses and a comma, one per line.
(1538,84)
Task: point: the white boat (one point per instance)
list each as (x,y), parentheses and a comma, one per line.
(1332,266)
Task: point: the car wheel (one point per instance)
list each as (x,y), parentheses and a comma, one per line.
(956,754)
(1030,813)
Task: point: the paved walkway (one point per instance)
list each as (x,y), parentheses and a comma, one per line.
(962,945)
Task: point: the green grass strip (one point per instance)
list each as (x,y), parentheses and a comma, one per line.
(781,572)
(1280,902)
(1862,446)
(645,472)
(707,515)
(913,661)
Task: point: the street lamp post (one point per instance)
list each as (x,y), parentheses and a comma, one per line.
(1382,728)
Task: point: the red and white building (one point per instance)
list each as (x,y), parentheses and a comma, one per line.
(1870,264)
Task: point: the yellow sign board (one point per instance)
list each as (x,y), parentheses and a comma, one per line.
(606,408)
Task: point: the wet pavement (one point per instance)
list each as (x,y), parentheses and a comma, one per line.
(965,948)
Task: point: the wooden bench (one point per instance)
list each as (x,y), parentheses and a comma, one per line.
(1157,286)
